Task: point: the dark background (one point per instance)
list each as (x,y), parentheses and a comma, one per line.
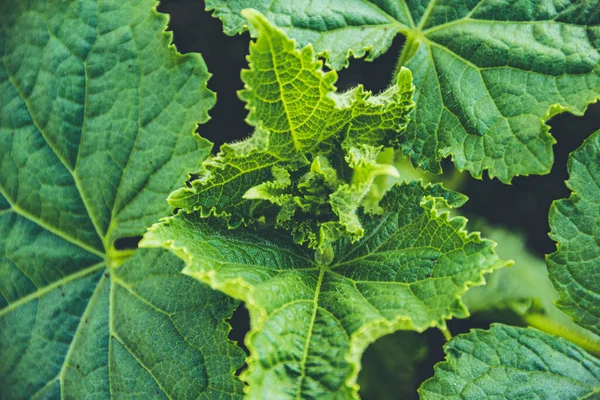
(521,207)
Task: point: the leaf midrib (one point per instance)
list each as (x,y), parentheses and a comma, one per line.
(297,144)
(309,335)
(115,280)
(102,281)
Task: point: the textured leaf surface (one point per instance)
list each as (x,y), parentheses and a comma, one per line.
(338,28)
(487,73)
(97,112)
(513,363)
(302,125)
(311,320)
(575,222)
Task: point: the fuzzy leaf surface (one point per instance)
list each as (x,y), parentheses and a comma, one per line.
(300,120)
(311,321)
(488,73)
(97,113)
(506,362)
(575,225)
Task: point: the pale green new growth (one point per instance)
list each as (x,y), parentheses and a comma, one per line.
(488,73)
(513,363)
(312,319)
(301,123)
(97,111)
(575,266)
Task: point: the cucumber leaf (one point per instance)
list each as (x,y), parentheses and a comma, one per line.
(97,113)
(488,73)
(575,266)
(303,127)
(513,363)
(312,316)
(337,29)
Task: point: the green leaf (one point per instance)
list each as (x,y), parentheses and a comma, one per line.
(286,91)
(302,124)
(97,113)
(488,73)
(337,29)
(347,199)
(311,319)
(575,266)
(219,189)
(513,363)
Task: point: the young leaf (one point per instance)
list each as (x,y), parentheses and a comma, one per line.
(312,318)
(301,125)
(575,266)
(488,74)
(513,363)
(97,111)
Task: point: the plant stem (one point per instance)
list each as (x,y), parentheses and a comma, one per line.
(408,51)
(543,323)
(447,334)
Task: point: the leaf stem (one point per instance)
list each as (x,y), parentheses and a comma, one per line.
(446,332)
(408,51)
(544,323)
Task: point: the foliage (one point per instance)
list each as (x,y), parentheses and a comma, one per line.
(312,221)
(85,160)
(487,73)
(573,267)
(314,151)
(513,363)
(407,274)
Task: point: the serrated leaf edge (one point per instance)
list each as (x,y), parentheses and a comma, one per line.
(565,301)
(366,52)
(240,289)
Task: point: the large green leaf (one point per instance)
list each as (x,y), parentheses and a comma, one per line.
(303,127)
(575,266)
(311,318)
(97,113)
(488,73)
(513,363)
